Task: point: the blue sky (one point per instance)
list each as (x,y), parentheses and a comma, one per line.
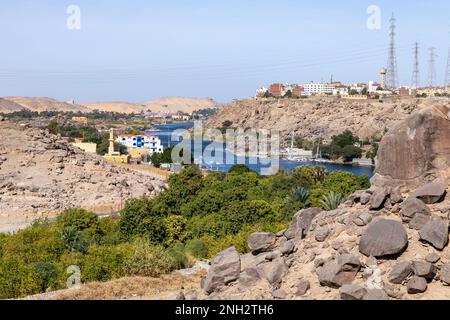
(138,50)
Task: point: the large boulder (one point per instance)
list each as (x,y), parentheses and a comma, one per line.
(339,272)
(424,269)
(416,285)
(432,192)
(415,151)
(383,237)
(225,268)
(301,223)
(444,274)
(352,292)
(273,271)
(261,241)
(378,198)
(435,231)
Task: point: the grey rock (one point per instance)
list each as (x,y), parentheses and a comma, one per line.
(378,198)
(383,238)
(302,288)
(261,241)
(411,207)
(338,272)
(444,274)
(432,192)
(424,269)
(363,219)
(301,223)
(273,271)
(400,272)
(322,234)
(396,196)
(365,198)
(417,285)
(249,277)
(435,232)
(279,294)
(376,294)
(352,292)
(419,221)
(432,258)
(287,247)
(191,295)
(225,268)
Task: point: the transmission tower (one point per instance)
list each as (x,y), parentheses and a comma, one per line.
(416,79)
(432,67)
(447,72)
(392,72)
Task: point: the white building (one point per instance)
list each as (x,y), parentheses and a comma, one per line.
(373,86)
(311,89)
(144,141)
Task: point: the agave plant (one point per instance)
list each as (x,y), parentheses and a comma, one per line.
(332,200)
(300,195)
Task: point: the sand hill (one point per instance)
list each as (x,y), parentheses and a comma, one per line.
(43,104)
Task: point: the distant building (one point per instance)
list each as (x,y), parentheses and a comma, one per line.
(80,120)
(373,86)
(144,141)
(312,89)
(276,89)
(298,90)
(404,91)
(113,155)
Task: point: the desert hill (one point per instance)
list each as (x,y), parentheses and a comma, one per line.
(7,106)
(175,104)
(42,174)
(43,104)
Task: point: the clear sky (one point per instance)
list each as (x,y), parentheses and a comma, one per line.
(138,50)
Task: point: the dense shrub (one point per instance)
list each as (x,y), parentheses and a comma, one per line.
(149,260)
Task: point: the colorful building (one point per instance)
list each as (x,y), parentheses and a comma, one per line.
(143,141)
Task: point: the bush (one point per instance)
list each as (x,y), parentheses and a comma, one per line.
(104,263)
(197,248)
(176,230)
(79,219)
(149,260)
(239,169)
(343,182)
(17,279)
(47,275)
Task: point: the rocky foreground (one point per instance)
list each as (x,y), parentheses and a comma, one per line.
(42,174)
(388,242)
(315,118)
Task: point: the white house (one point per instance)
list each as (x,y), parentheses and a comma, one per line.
(143,141)
(311,89)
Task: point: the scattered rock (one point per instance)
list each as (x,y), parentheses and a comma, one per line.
(191,295)
(435,232)
(400,272)
(432,192)
(378,198)
(225,268)
(249,277)
(411,207)
(424,269)
(396,196)
(321,234)
(383,238)
(352,292)
(417,285)
(302,287)
(301,223)
(338,272)
(279,294)
(363,219)
(365,198)
(287,247)
(432,258)
(375,294)
(273,271)
(418,221)
(261,241)
(444,274)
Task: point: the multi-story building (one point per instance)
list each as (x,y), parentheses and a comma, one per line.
(312,89)
(143,141)
(276,89)
(298,90)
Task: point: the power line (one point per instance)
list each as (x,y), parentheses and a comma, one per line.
(415,78)
(392,72)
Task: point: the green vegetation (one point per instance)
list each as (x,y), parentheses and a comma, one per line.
(197,217)
(343,146)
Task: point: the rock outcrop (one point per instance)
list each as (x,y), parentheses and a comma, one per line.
(416,151)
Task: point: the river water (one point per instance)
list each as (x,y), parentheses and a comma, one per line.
(165,134)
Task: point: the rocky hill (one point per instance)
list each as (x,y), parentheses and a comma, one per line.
(7,106)
(120,107)
(42,174)
(42,104)
(388,242)
(318,117)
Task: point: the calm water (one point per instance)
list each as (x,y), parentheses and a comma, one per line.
(165,133)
